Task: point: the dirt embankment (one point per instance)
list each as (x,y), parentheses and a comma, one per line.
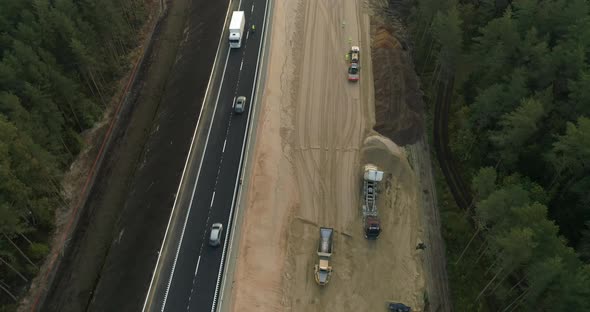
(399,108)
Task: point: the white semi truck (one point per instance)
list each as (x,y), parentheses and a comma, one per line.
(236,29)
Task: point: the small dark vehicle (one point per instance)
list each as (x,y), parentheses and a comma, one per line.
(398,307)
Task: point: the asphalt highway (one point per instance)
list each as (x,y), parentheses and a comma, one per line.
(188,274)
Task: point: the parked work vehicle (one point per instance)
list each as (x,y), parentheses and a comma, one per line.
(353,67)
(236,29)
(371,223)
(240,104)
(398,307)
(323,270)
(353,72)
(354,54)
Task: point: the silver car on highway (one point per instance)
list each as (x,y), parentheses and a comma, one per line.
(240,104)
(215,235)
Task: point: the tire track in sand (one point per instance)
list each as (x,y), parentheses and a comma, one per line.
(312,140)
(329,129)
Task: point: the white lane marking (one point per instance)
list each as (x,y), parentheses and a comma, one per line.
(233,102)
(247,34)
(241,64)
(193,287)
(224,142)
(198,261)
(212,199)
(238,177)
(252,9)
(147,297)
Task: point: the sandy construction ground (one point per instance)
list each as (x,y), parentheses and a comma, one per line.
(313,137)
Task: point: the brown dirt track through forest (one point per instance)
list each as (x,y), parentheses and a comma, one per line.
(457,185)
(113,249)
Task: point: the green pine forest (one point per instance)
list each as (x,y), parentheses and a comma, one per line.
(59,60)
(520,134)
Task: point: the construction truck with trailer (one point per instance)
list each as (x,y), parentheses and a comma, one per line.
(323,270)
(354,66)
(371,222)
(236,29)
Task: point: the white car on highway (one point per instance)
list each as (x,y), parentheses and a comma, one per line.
(215,235)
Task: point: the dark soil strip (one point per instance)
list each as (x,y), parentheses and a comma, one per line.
(449,168)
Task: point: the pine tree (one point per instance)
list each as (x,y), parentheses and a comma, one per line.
(516,129)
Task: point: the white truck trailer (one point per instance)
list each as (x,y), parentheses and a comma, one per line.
(236,29)
(323,270)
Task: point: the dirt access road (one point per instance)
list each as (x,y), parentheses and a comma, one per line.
(314,134)
(113,250)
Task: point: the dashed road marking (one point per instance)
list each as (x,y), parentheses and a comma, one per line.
(238,177)
(198,261)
